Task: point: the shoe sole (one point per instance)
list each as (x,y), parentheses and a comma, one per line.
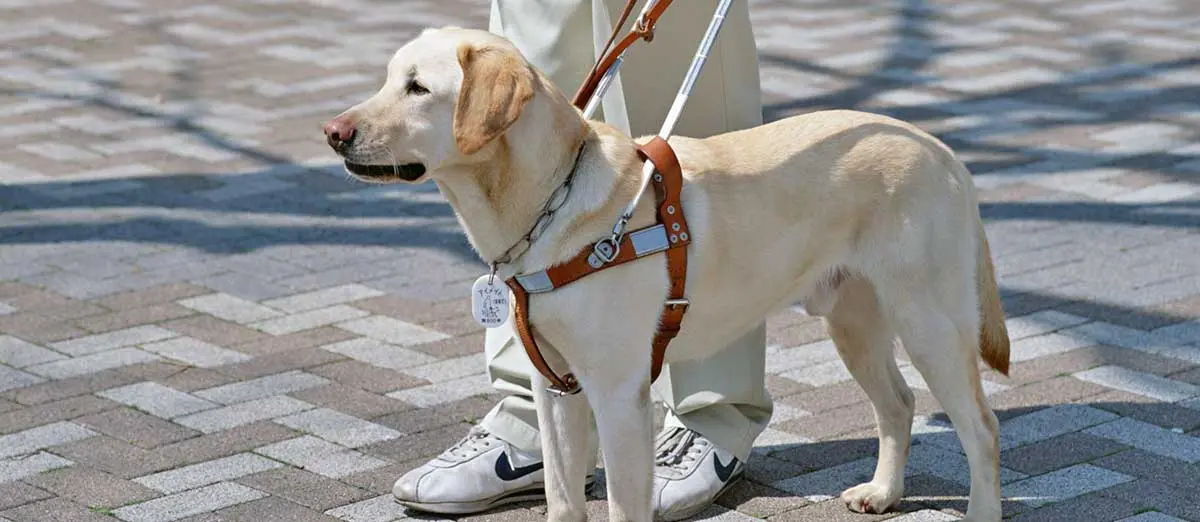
(693,511)
(528,494)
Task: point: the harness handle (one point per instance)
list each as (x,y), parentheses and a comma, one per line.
(643,28)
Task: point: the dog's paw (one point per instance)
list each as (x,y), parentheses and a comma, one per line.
(869,498)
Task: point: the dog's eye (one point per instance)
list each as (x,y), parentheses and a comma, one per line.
(415,88)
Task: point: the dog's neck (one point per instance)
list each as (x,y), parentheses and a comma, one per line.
(500,196)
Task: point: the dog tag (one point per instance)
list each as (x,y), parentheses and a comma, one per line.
(489,301)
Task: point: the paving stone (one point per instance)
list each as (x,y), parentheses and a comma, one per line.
(205,473)
(157,400)
(220,444)
(1094,506)
(391,330)
(1063,484)
(117,339)
(1121,378)
(243,413)
(41,437)
(54,509)
(268,345)
(93,363)
(192,379)
(759,501)
(444,392)
(92,487)
(320,457)
(154,295)
(1146,409)
(14,494)
(216,331)
(272,508)
(196,352)
(1143,464)
(262,387)
(1149,494)
(112,456)
(13,379)
(383,355)
(1059,452)
(308,320)
(366,376)
(323,298)
(304,488)
(925,515)
(352,401)
(1150,438)
(133,317)
(19,354)
(181,505)
(230,308)
(1152,517)
(338,427)
(71,408)
(93,382)
(17,468)
(136,427)
(379,509)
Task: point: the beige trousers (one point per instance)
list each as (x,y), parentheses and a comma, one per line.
(722,397)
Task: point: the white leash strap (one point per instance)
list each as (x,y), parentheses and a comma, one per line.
(685,91)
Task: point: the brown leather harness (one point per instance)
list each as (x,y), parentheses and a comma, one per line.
(669,234)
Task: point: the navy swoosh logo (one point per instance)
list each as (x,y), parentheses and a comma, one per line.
(506,471)
(724,471)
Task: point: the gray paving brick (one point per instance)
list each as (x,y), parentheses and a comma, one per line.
(54,509)
(262,387)
(1150,438)
(307,489)
(118,339)
(17,468)
(1063,484)
(392,330)
(230,308)
(1152,516)
(379,509)
(137,428)
(93,363)
(925,515)
(12,378)
(379,353)
(92,487)
(309,319)
(1124,379)
(186,504)
(41,437)
(17,493)
(949,465)
(320,457)
(338,427)
(323,298)
(243,413)
(444,392)
(196,352)
(206,473)
(157,400)
(19,354)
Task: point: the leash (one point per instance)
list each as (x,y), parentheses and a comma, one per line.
(669,234)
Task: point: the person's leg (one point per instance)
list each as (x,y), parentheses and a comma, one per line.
(716,406)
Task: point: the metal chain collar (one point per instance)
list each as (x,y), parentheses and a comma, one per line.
(557,199)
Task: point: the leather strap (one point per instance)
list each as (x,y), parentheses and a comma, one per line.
(675,236)
(643,28)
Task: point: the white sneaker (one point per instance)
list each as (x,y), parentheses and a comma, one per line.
(690,473)
(478,473)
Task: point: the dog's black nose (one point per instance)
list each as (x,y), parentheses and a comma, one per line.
(339,132)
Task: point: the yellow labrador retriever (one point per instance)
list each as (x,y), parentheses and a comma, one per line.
(866,220)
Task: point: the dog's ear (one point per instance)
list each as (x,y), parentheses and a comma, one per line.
(496,86)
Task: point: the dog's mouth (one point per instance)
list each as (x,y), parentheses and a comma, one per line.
(410,172)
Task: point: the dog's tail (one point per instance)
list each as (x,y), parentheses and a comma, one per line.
(993,334)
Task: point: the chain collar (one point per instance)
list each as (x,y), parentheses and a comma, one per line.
(557,199)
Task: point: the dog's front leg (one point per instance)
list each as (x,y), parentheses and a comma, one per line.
(624,423)
(563,422)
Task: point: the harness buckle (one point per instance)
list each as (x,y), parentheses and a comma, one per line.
(564,393)
(607,249)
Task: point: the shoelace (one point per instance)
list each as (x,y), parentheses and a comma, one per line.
(678,449)
(476,441)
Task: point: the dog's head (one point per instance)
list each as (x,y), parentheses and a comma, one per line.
(449,94)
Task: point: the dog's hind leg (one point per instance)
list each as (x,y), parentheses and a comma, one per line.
(937,320)
(563,422)
(864,339)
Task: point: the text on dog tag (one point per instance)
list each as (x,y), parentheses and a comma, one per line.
(489,301)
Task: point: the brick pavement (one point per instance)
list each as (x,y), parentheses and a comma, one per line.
(202,319)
